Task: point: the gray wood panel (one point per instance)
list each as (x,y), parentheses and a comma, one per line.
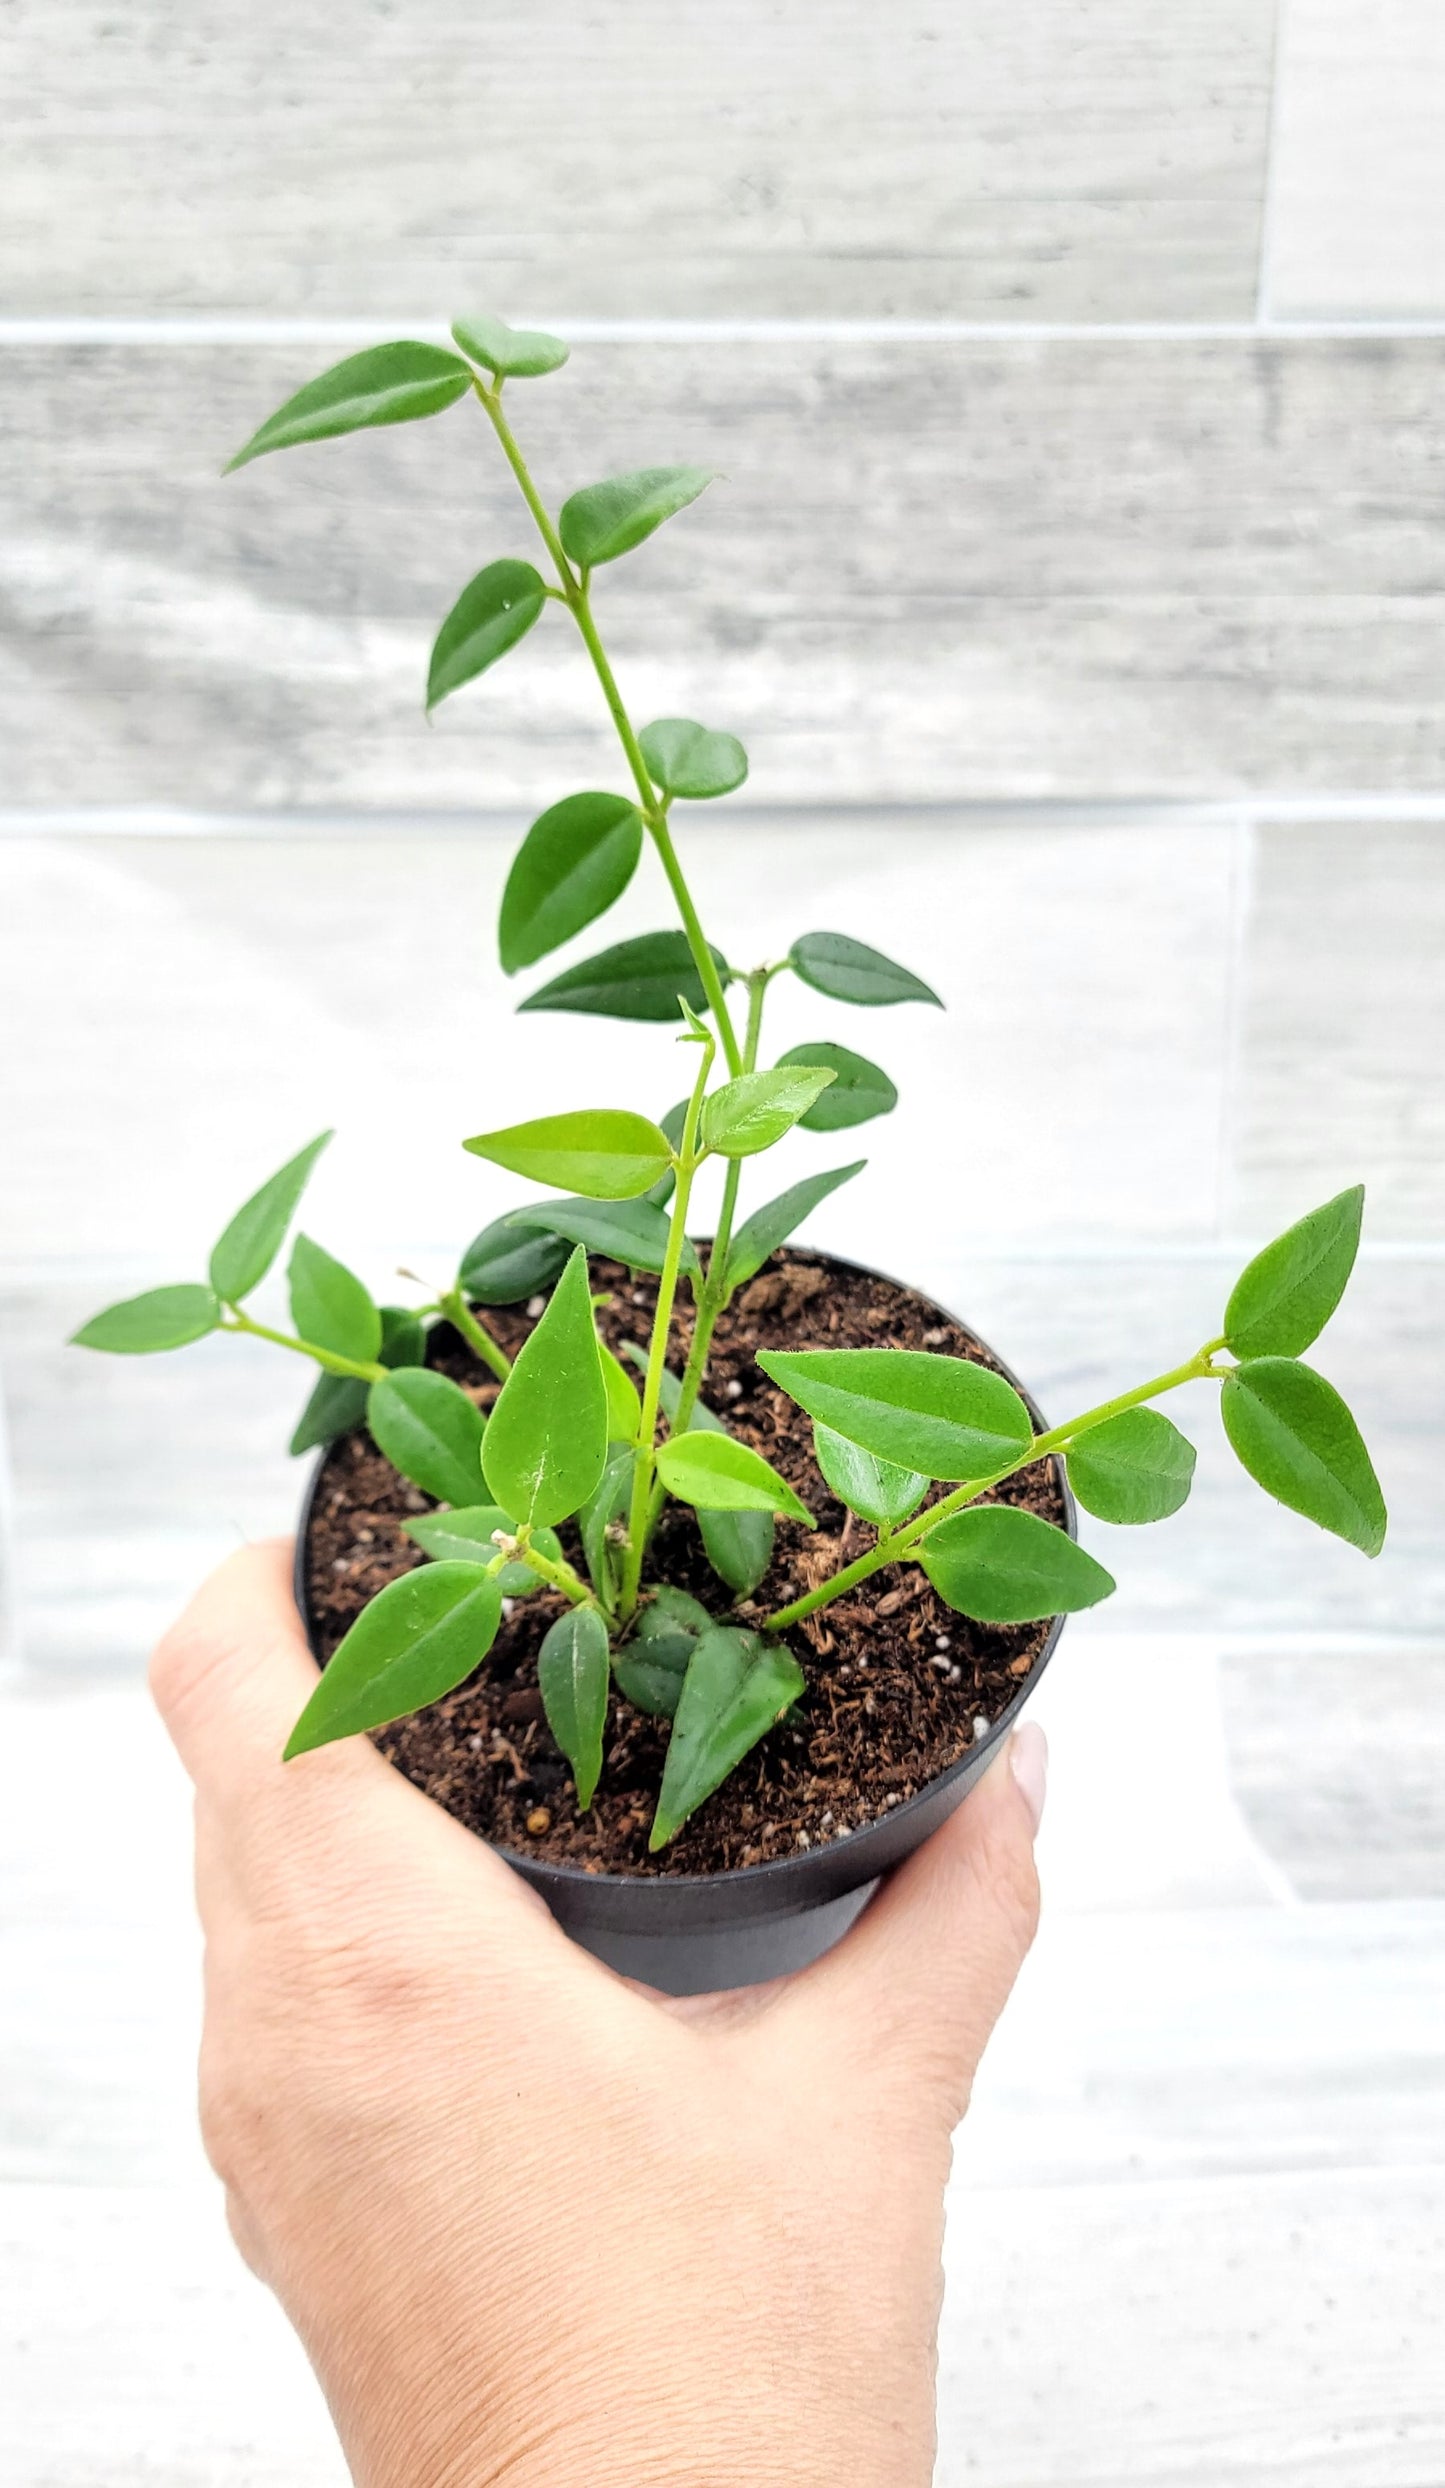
(1356,219)
(663,156)
(1338,1760)
(1087,568)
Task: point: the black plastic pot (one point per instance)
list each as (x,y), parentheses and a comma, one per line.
(692,1934)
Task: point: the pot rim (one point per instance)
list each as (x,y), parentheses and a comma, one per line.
(774,1872)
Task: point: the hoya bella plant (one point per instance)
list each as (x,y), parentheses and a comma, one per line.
(911,1442)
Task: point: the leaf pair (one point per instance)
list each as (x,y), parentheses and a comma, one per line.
(400,383)
(609,1155)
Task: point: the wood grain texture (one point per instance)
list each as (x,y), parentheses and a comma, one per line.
(952,570)
(1357,180)
(1049,163)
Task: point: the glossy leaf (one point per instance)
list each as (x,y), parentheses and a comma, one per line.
(1137,1467)
(606,1154)
(859,1091)
(651,1666)
(256,1234)
(1004,1566)
(164,1317)
(419,1639)
(941,1415)
(494,610)
(631,1231)
(509,353)
(605,520)
(624,1408)
(546,1441)
(431,1431)
(465,1535)
(739,1544)
(771,1225)
(717,1474)
(338,1401)
(574,861)
(1293,1433)
(834,964)
(385,384)
(692,761)
(1283,1299)
(737,1687)
(873,1488)
(604,1508)
(638,979)
(751,1112)
(504,1265)
(574,1674)
(329,1305)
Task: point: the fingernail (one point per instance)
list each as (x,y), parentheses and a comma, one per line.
(1028,1755)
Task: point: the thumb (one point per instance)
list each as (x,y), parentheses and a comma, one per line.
(915,1987)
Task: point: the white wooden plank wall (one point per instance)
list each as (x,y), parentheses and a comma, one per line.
(1078,584)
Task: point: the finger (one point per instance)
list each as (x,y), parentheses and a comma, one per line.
(918,1983)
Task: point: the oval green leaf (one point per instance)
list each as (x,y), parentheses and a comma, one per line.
(1283,1299)
(574,861)
(494,610)
(504,1266)
(639,979)
(165,1317)
(607,1154)
(941,1415)
(717,1474)
(737,1687)
(632,1231)
(859,1091)
(386,384)
(605,520)
(329,1305)
(1137,1467)
(419,1639)
(431,1431)
(256,1234)
(750,1113)
(465,1535)
(1293,1433)
(739,1545)
(545,1446)
(834,964)
(650,1667)
(574,1674)
(873,1488)
(1004,1566)
(771,1225)
(338,1401)
(509,353)
(692,761)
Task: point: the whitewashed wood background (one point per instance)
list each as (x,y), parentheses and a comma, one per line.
(1078,584)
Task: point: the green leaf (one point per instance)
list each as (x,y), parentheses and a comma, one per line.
(604,520)
(509,353)
(546,1441)
(574,1673)
(165,1317)
(605,1153)
(750,1113)
(1137,1467)
(419,1639)
(639,979)
(736,1688)
(659,1194)
(386,384)
(338,1401)
(771,1225)
(1284,1298)
(574,861)
(632,1231)
(1004,1566)
(329,1305)
(1297,1439)
(501,1266)
(464,1535)
(494,610)
(431,1431)
(607,1504)
(941,1415)
(650,1667)
(739,1544)
(859,1091)
(849,971)
(255,1235)
(873,1488)
(691,761)
(624,1408)
(716,1474)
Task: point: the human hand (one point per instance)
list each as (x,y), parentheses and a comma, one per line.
(532,2222)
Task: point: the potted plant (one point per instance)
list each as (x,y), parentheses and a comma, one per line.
(703,1577)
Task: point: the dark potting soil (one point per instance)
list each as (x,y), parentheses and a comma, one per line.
(896,1680)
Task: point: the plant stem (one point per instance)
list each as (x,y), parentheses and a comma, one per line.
(715,1292)
(459,1313)
(639,1519)
(559,1576)
(895,1549)
(334,1364)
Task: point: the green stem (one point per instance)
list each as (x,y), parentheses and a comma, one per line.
(357,1368)
(716,1291)
(644,1466)
(559,1576)
(459,1313)
(903,1541)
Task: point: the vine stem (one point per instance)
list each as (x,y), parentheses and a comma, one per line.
(560,1576)
(715,1290)
(459,1313)
(356,1367)
(644,1467)
(902,1542)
